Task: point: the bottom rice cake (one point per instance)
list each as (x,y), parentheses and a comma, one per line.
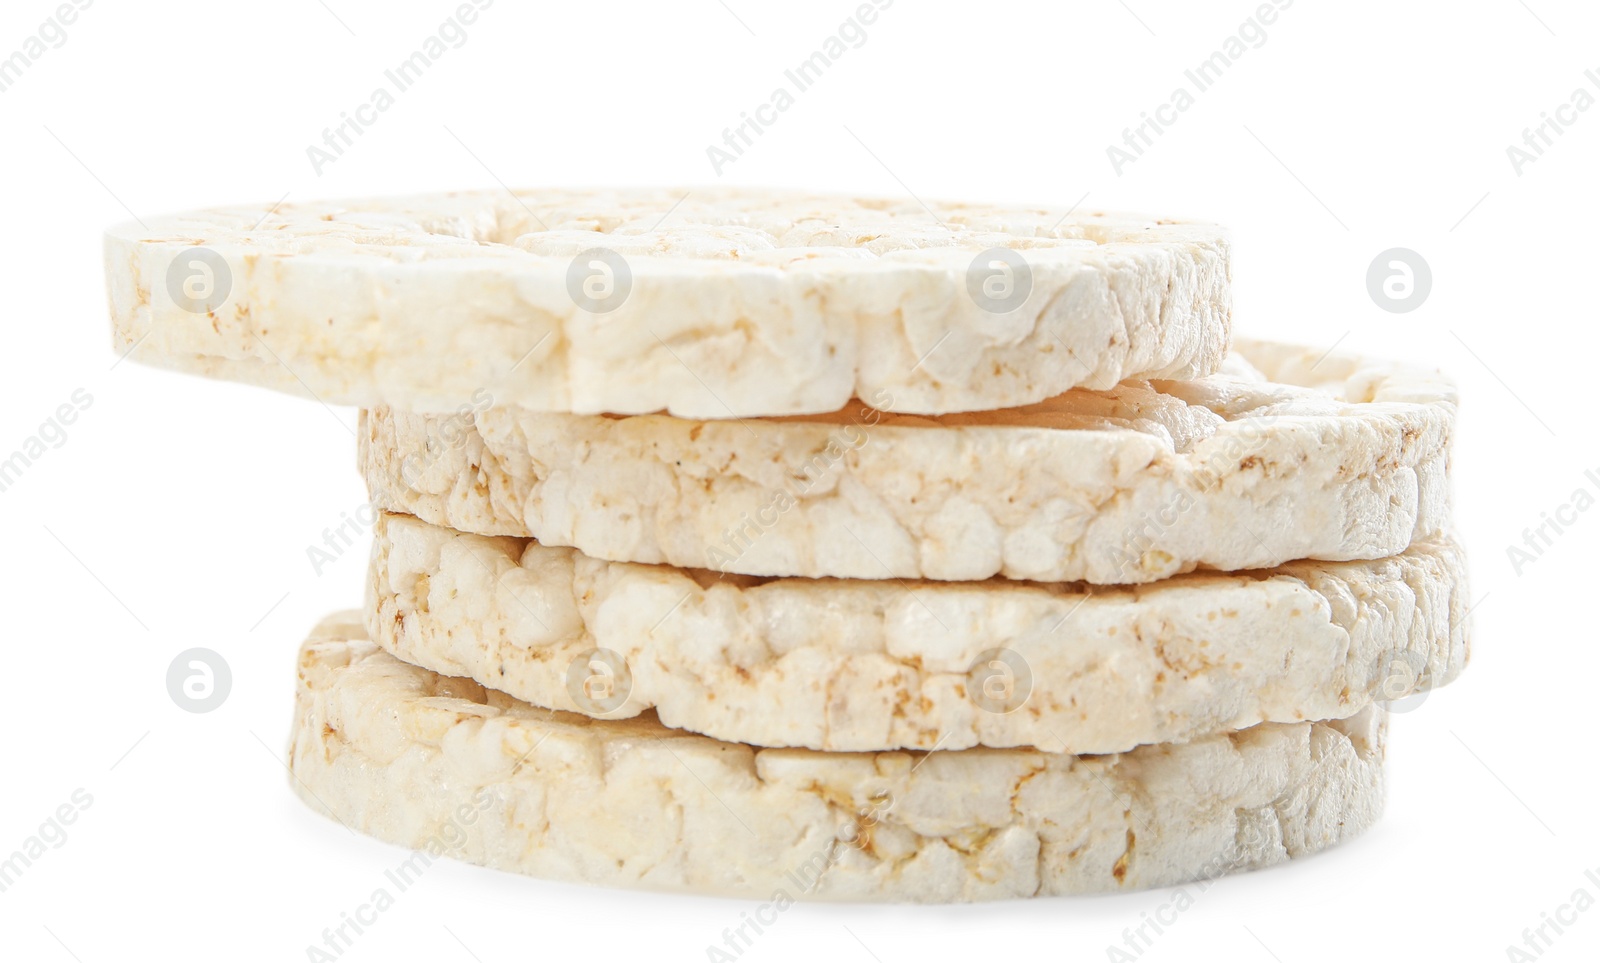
(446,767)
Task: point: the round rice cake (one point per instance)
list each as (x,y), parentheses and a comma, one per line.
(447,768)
(863,665)
(710,303)
(1291,454)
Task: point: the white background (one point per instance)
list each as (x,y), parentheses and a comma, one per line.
(178,512)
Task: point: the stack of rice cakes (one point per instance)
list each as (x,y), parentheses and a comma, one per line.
(752,542)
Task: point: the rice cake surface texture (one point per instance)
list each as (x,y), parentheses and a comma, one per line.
(446,767)
(1291,454)
(707,303)
(881,664)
